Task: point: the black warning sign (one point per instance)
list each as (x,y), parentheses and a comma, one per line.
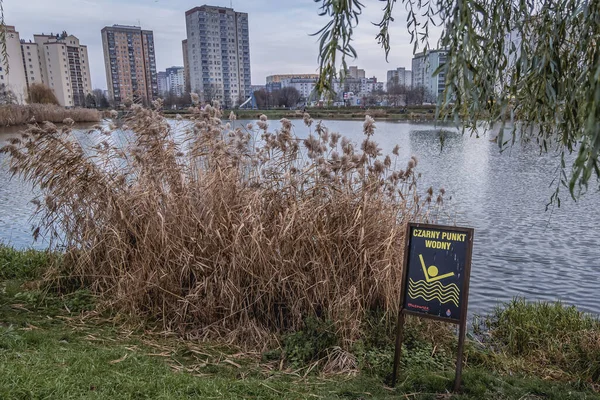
(437,269)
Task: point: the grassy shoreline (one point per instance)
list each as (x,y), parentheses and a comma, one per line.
(58,341)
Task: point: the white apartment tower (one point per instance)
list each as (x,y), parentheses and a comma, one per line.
(62,64)
(399,76)
(176,80)
(218,50)
(424,66)
(12,73)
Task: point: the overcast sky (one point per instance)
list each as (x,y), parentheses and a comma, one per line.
(280,40)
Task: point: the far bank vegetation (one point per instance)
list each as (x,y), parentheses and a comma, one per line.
(16,114)
(43,106)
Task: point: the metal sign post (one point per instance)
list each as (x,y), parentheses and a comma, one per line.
(435,284)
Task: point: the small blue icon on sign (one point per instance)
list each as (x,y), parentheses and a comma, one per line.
(448,313)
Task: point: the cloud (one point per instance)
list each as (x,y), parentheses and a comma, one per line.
(280,40)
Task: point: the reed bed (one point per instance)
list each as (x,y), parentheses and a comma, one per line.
(238,233)
(25,114)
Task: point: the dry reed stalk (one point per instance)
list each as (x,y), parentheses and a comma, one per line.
(233,233)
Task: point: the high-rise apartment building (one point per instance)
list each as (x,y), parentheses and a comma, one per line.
(218,49)
(63,65)
(186,66)
(176,80)
(12,72)
(57,61)
(356,73)
(130,63)
(423,67)
(172,81)
(400,77)
(163,86)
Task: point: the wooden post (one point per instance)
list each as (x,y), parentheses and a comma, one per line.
(459,358)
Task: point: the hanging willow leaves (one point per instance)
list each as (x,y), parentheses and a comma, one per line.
(3,50)
(529,67)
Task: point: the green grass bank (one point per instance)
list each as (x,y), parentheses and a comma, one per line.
(59,341)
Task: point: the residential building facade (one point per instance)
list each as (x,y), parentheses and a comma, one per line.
(130,63)
(63,66)
(276,82)
(176,80)
(218,49)
(13,81)
(305,86)
(423,67)
(356,73)
(358,87)
(400,76)
(163,86)
(186,66)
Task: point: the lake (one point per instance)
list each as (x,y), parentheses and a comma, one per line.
(520,248)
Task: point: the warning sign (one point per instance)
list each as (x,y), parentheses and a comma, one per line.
(437,271)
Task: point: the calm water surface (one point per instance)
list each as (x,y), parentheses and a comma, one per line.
(520,249)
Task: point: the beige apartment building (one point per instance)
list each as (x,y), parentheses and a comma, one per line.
(12,73)
(278,78)
(60,62)
(130,63)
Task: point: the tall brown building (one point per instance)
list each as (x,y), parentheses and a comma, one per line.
(130,63)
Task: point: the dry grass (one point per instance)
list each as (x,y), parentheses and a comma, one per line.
(237,234)
(25,114)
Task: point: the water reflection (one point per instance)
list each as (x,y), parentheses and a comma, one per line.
(520,249)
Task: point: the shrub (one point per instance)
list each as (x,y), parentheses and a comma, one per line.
(41,94)
(27,264)
(238,233)
(547,334)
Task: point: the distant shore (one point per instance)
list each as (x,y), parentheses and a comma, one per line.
(417,113)
(14,114)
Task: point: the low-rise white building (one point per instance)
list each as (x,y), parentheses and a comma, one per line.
(305,86)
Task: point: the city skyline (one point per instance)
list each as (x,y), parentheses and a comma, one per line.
(277,47)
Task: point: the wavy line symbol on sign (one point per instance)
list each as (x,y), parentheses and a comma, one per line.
(434,291)
(431,288)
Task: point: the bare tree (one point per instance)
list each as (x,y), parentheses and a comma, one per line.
(288,97)
(7,96)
